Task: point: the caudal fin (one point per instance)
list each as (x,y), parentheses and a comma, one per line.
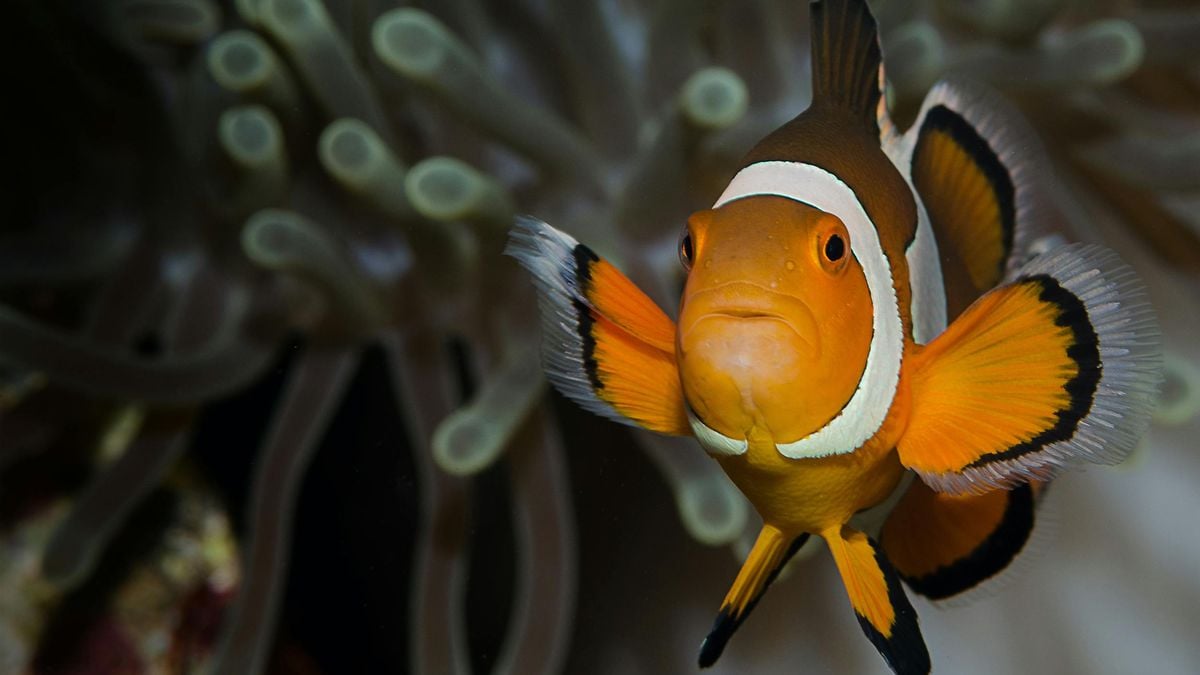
(879,602)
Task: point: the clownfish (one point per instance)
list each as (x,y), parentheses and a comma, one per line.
(868,343)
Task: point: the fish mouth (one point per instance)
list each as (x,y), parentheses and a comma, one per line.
(741,313)
(751,302)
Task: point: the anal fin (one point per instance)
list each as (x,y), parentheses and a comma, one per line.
(772,550)
(883,610)
(943,545)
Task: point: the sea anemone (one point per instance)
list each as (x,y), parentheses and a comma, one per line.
(252,273)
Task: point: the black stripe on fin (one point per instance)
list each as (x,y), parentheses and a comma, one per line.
(979,171)
(727,623)
(905,650)
(992,556)
(584,257)
(942,118)
(1080,312)
(846,59)
(1085,352)
(602,338)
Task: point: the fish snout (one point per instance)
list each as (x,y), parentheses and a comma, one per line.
(744,353)
(751,303)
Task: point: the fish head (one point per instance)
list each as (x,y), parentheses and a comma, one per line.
(775,322)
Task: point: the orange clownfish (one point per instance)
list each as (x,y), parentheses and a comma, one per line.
(862,307)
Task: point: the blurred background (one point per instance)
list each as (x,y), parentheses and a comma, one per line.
(270,398)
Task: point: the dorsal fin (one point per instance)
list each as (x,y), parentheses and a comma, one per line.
(846,59)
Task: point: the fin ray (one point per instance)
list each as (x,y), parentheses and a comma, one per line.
(1060,365)
(883,610)
(943,545)
(771,552)
(606,345)
(974,162)
(847,62)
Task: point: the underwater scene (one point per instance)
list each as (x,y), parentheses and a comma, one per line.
(545,336)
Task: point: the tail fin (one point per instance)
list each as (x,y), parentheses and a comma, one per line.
(771,552)
(879,601)
(847,63)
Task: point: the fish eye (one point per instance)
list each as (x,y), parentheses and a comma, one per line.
(835,248)
(685,250)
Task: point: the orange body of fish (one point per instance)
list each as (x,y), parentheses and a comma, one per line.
(868,342)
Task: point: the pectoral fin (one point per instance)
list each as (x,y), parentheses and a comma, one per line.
(772,550)
(943,545)
(1060,365)
(605,343)
(879,601)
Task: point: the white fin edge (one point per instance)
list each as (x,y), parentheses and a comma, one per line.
(549,255)
(1010,136)
(1126,394)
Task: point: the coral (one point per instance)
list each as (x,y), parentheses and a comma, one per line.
(216,192)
